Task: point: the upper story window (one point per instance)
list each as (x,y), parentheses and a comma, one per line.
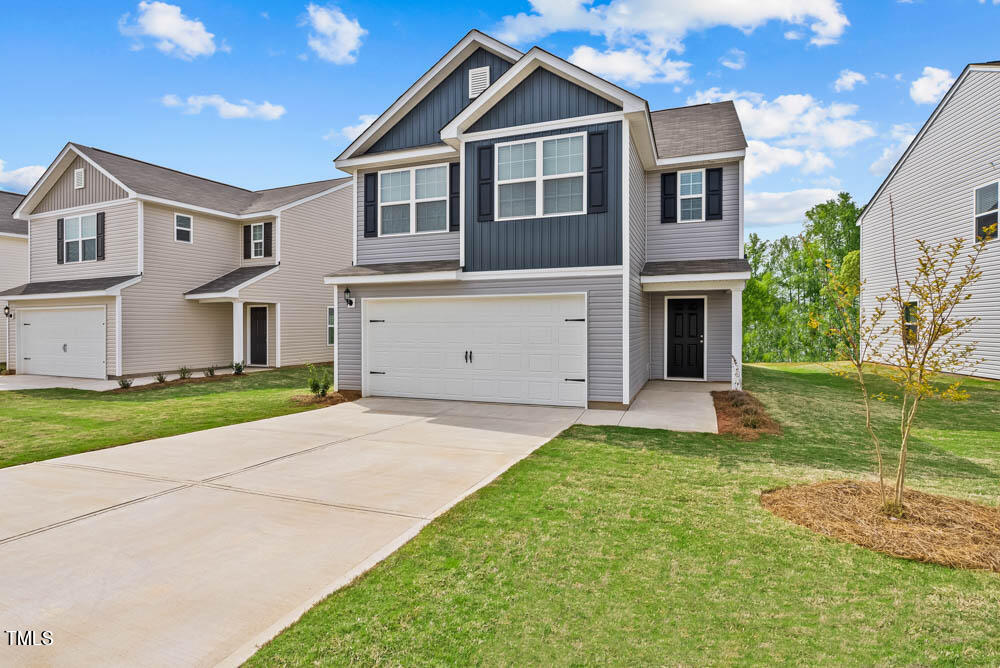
(413,200)
(80,238)
(986,212)
(547,171)
(183,228)
(257,240)
(691,196)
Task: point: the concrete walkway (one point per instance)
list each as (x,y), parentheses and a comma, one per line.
(194,550)
(30,382)
(665,404)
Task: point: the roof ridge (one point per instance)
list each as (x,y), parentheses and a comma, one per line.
(169,169)
(692,106)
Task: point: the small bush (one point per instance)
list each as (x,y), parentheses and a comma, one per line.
(210,371)
(160,377)
(184,372)
(319,381)
(125,383)
(238,368)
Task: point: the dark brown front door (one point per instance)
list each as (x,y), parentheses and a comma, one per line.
(258,335)
(685,338)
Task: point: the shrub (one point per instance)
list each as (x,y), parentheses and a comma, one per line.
(238,368)
(160,377)
(125,383)
(184,372)
(319,381)
(210,371)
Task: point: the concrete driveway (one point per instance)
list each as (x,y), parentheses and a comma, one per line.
(196,549)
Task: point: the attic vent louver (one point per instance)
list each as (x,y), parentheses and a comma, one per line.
(479,80)
(77,178)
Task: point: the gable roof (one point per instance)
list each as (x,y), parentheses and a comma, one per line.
(697,130)
(8,226)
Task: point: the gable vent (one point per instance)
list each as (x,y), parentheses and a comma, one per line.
(479,80)
(78,178)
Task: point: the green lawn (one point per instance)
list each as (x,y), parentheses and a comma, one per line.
(631,546)
(41,424)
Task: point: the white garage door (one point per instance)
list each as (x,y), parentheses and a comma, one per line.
(526,350)
(62,342)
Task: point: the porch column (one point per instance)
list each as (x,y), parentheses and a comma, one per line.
(737,337)
(237,331)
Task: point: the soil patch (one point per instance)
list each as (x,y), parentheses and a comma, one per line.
(171,383)
(933,529)
(740,413)
(331,399)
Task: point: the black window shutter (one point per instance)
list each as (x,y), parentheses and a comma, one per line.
(247,243)
(668,197)
(713,194)
(60,236)
(484,180)
(597,172)
(454,196)
(100,236)
(268,247)
(371,206)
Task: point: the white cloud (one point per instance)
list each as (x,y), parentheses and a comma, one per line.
(22,177)
(334,37)
(735,59)
(763,158)
(173,33)
(793,34)
(929,88)
(901,136)
(631,66)
(848,79)
(352,132)
(226,109)
(782,208)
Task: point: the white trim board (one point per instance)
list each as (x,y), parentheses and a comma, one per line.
(113,291)
(458,275)
(231,293)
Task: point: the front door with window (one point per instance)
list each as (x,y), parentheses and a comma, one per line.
(258,336)
(685,354)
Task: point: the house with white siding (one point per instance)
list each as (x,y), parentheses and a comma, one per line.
(135,269)
(525,231)
(13,258)
(945,186)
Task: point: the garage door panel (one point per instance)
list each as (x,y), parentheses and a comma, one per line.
(63,342)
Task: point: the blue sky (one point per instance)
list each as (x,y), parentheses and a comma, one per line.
(260,94)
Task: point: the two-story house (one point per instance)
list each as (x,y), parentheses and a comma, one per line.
(528,232)
(945,186)
(13,257)
(135,268)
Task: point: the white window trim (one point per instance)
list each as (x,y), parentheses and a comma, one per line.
(538,178)
(81,239)
(190,230)
(683,197)
(253,244)
(329,326)
(976,216)
(412,202)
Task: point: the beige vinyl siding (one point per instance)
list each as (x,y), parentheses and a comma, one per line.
(163,330)
(109,314)
(710,239)
(121,246)
(315,240)
(718,332)
(13,272)
(260,261)
(97,188)
(933,197)
(638,307)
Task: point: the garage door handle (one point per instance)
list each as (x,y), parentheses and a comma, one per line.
(575,380)
(376,321)
(377,373)
(64,348)
(466,356)
(576,320)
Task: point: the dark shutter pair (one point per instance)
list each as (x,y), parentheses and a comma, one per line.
(61,238)
(713,195)
(454,200)
(248,240)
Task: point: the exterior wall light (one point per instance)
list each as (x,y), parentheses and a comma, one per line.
(347,298)
(7,311)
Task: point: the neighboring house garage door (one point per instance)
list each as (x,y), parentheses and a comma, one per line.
(62,342)
(524,349)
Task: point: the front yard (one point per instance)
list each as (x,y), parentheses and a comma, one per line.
(632,546)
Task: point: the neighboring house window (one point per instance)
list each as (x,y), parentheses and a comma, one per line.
(543,170)
(78,182)
(910,323)
(691,196)
(257,240)
(183,228)
(331,321)
(986,212)
(413,200)
(80,238)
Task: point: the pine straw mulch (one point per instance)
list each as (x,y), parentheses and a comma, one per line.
(933,529)
(741,413)
(331,399)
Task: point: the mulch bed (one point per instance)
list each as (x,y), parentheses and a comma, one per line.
(933,529)
(331,399)
(171,383)
(740,413)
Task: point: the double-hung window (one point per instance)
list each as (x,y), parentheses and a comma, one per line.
(413,200)
(331,322)
(257,240)
(183,228)
(986,212)
(80,238)
(910,322)
(691,196)
(540,177)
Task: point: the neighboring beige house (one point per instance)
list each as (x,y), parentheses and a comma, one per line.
(13,256)
(135,268)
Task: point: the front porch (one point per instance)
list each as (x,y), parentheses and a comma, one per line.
(664,404)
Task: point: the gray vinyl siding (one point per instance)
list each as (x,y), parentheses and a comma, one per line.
(604,322)
(933,196)
(111,346)
(542,96)
(711,239)
(97,188)
(638,306)
(13,272)
(404,247)
(560,241)
(718,332)
(121,224)
(422,125)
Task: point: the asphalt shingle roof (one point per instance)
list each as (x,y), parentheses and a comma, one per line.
(396,268)
(231,280)
(58,287)
(9,202)
(696,130)
(675,267)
